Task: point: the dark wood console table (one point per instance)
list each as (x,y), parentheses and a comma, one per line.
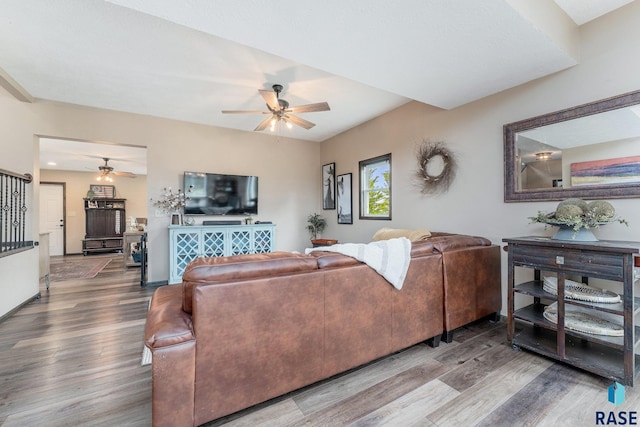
(607,356)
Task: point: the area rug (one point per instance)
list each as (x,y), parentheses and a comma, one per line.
(77,269)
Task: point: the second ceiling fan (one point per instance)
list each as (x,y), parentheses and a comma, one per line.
(106,171)
(280,111)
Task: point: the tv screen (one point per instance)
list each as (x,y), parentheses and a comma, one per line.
(216,194)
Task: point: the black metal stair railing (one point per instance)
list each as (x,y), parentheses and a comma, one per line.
(13,212)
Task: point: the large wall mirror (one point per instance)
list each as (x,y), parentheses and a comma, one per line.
(591,151)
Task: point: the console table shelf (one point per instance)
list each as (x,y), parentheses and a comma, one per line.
(591,356)
(608,356)
(534,289)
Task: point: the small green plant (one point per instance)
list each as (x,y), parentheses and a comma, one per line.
(315,225)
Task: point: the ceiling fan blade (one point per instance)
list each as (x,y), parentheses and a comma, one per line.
(263,124)
(299,122)
(125,174)
(270,98)
(245,112)
(309,108)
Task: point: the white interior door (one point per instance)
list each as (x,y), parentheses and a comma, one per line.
(52,216)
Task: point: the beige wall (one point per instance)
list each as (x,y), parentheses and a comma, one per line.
(474,203)
(77,185)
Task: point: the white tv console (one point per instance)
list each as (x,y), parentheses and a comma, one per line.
(187,243)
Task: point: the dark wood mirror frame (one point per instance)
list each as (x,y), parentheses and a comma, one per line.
(511,194)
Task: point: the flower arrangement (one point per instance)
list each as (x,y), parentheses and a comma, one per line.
(578,214)
(171,202)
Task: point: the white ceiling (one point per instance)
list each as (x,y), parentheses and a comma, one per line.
(82,156)
(189,60)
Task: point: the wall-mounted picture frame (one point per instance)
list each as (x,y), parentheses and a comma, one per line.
(103,191)
(345,201)
(329,186)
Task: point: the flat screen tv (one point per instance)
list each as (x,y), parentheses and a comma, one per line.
(217,194)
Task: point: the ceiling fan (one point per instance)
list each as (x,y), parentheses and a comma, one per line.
(106,171)
(279,110)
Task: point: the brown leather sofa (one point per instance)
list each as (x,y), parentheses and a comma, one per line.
(244,329)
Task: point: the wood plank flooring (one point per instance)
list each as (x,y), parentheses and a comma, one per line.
(73,358)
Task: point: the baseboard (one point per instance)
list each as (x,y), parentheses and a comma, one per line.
(12,312)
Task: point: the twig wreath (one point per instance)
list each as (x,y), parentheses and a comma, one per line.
(430,182)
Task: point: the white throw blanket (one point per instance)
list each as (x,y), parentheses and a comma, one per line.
(389,258)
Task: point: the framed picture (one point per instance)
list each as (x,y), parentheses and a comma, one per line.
(345,202)
(103,191)
(329,186)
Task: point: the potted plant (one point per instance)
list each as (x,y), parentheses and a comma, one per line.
(315,226)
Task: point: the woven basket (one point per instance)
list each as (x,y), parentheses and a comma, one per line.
(580,291)
(582,322)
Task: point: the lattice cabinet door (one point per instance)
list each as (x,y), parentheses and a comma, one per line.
(240,241)
(213,243)
(263,240)
(186,248)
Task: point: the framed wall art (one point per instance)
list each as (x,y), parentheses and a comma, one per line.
(103,191)
(329,186)
(345,201)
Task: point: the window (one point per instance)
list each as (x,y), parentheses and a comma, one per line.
(375,188)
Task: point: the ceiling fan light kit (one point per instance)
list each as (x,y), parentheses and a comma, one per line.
(106,172)
(280,112)
(104,177)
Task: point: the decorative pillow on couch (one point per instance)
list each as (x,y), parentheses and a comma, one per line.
(414,235)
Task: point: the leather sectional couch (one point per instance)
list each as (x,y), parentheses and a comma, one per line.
(244,329)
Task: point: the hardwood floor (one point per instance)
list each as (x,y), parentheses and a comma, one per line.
(73,358)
